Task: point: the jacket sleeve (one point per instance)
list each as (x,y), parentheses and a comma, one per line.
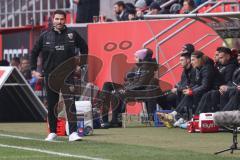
(206,79)
(142,78)
(182,83)
(83,47)
(229,73)
(35,52)
(81,44)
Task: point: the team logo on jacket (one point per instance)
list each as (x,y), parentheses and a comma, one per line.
(70,35)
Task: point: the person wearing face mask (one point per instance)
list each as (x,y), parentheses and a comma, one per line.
(57,45)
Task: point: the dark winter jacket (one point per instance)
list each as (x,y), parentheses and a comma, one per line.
(57,48)
(224,73)
(203,80)
(187,79)
(141,76)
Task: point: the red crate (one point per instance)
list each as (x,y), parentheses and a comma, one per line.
(61,127)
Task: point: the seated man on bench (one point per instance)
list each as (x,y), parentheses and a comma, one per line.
(138,81)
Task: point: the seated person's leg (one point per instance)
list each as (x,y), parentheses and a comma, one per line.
(171,101)
(183,106)
(208,102)
(117,108)
(151,108)
(203,104)
(234,101)
(106,96)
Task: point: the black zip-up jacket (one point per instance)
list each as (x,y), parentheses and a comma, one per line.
(56,48)
(224,73)
(203,80)
(236,77)
(187,79)
(141,76)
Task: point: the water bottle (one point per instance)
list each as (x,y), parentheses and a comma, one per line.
(80,125)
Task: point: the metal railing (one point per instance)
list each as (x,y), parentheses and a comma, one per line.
(215,5)
(174,25)
(183,18)
(194,43)
(201,48)
(17,13)
(184,27)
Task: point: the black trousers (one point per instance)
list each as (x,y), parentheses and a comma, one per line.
(110,99)
(209,102)
(165,102)
(187,106)
(230,100)
(52,99)
(118,100)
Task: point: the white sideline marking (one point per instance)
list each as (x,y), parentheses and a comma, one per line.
(50,152)
(24,138)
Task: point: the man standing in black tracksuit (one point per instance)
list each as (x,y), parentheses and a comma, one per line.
(57,45)
(224,69)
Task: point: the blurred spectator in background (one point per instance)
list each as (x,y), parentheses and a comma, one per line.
(175,8)
(120,11)
(132,15)
(161,1)
(141,8)
(154,8)
(4,63)
(86,9)
(131,10)
(198,2)
(188,6)
(15,62)
(25,68)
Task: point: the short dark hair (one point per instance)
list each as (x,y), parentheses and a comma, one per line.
(120,4)
(224,50)
(59,12)
(191,3)
(186,55)
(197,54)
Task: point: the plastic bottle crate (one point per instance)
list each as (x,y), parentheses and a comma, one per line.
(157,121)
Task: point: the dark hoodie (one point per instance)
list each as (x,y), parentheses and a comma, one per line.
(223,74)
(141,75)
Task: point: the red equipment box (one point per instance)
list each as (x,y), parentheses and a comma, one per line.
(206,123)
